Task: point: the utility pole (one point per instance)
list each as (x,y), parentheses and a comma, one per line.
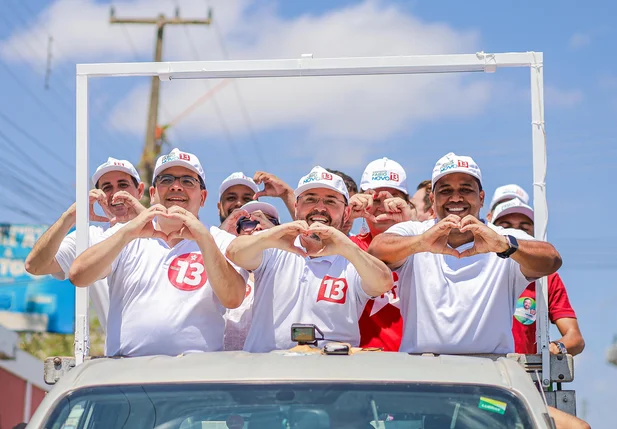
(152,147)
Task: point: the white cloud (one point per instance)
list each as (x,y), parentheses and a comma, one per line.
(579,40)
(323,109)
(564,98)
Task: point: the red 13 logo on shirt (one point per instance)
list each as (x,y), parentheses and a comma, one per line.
(187,272)
(333,289)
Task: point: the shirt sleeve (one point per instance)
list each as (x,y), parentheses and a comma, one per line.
(222,240)
(355,282)
(406,229)
(65,256)
(558,302)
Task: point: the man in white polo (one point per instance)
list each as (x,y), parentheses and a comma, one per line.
(308,271)
(169,281)
(117,189)
(459,278)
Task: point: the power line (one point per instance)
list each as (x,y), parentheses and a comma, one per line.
(24,156)
(36,142)
(216,106)
(242,104)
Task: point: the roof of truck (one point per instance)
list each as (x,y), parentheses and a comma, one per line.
(285,366)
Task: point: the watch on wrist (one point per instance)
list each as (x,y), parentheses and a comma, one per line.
(513,243)
(562,348)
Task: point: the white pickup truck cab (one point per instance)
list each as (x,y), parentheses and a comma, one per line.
(285,390)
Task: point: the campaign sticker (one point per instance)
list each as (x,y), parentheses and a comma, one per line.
(187,272)
(525,310)
(492,405)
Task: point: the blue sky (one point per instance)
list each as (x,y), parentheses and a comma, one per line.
(339,123)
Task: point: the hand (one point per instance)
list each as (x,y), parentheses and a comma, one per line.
(332,240)
(143,227)
(191,229)
(435,240)
(284,236)
(93,196)
(397,210)
(230,224)
(485,240)
(360,205)
(273,186)
(132,204)
(263,220)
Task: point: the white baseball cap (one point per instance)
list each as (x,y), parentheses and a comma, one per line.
(176,158)
(384,173)
(237,178)
(319,177)
(266,208)
(114,164)
(452,163)
(507,192)
(512,206)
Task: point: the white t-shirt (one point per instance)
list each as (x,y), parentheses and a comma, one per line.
(162,301)
(238,320)
(99,292)
(326,292)
(452,305)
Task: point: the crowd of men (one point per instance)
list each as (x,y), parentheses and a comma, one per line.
(427,275)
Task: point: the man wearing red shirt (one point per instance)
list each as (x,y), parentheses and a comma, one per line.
(518,215)
(383,203)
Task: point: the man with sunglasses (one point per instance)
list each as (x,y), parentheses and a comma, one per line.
(261,216)
(308,271)
(117,189)
(168,279)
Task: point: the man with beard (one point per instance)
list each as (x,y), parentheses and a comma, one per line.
(235,191)
(383,204)
(459,277)
(308,271)
(117,189)
(168,278)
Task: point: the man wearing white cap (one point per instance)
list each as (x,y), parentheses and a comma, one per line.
(168,279)
(308,271)
(459,278)
(118,189)
(261,216)
(518,215)
(383,203)
(235,191)
(506,193)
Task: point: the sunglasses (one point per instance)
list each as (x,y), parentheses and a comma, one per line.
(247,225)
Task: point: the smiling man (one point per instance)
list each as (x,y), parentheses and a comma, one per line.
(168,279)
(117,189)
(308,271)
(459,278)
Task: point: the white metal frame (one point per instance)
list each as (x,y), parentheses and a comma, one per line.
(309,66)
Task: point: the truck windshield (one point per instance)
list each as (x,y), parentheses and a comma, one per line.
(290,406)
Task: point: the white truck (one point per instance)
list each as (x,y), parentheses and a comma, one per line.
(304,389)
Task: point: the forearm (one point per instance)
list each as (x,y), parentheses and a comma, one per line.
(95,262)
(290,202)
(228,285)
(246,251)
(376,276)
(571,335)
(393,249)
(42,257)
(537,258)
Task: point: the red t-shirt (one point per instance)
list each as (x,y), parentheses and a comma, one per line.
(524,321)
(381,324)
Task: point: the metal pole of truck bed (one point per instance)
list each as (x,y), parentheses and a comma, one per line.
(82,181)
(309,66)
(540,205)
